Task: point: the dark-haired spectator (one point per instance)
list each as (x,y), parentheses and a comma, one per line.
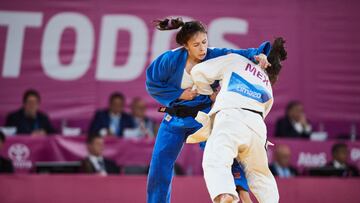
(113,120)
(145,126)
(281,165)
(5,164)
(294,124)
(95,162)
(340,155)
(29,119)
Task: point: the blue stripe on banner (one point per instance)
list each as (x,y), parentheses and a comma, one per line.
(240,85)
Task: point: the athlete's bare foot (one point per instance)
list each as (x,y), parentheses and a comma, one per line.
(226,198)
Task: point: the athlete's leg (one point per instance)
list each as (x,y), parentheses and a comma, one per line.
(168,144)
(221,148)
(244,196)
(255,163)
(239,176)
(242,186)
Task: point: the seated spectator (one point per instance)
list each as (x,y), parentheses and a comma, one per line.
(281,165)
(145,127)
(340,155)
(28,119)
(5,164)
(112,121)
(294,124)
(95,162)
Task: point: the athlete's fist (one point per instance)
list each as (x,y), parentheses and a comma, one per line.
(263,62)
(188,94)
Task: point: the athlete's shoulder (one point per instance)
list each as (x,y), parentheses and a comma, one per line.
(172,54)
(164,57)
(237,57)
(213,52)
(233,58)
(178,49)
(214,49)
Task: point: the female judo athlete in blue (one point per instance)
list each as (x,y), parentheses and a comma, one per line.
(169,82)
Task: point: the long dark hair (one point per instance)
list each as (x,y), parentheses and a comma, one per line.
(188,29)
(276,56)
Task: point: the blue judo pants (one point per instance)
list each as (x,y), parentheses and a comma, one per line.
(169,142)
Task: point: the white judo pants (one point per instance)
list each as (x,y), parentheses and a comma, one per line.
(238,134)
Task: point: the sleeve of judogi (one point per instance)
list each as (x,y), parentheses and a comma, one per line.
(206,73)
(157,76)
(249,53)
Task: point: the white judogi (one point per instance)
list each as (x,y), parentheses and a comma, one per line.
(235,133)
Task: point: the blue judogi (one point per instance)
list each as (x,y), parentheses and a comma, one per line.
(163,82)
(239,176)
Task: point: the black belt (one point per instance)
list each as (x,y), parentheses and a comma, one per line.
(184,111)
(257,112)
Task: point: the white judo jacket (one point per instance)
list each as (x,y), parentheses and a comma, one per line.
(243,85)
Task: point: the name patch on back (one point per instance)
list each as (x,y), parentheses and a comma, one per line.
(241,86)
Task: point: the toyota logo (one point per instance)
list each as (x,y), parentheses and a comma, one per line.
(18,152)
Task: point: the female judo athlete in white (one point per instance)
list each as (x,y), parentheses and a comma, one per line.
(236,123)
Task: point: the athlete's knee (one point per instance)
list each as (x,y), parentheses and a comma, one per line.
(164,154)
(159,177)
(219,156)
(210,159)
(214,162)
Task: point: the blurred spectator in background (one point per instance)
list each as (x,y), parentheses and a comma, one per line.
(112,121)
(28,119)
(95,162)
(281,165)
(5,164)
(340,155)
(294,124)
(145,127)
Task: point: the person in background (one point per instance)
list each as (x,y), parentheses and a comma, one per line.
(145,126)
(340,155)
(6,165)
(281,165)
(113,120)
(294,124)
(95,162)
(29,119)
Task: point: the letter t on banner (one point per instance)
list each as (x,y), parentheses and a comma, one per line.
(16,23)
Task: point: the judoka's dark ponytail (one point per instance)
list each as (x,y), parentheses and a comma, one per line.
(188,29)
(277,54)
